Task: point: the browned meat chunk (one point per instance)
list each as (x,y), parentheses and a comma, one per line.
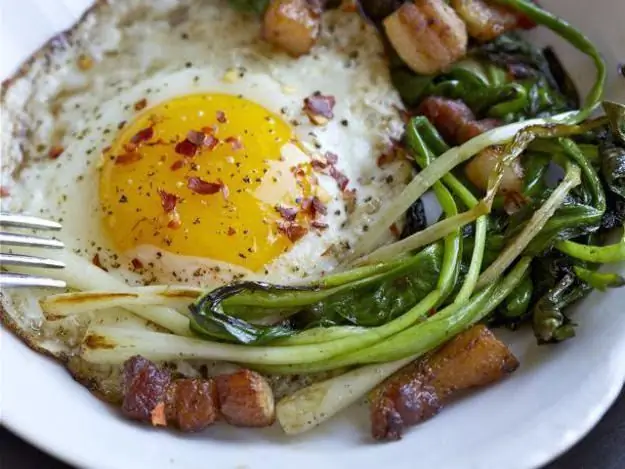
(427,34)
(405,399)
(473,358)
(144,386)
(474,128)
(454,119)
(191,404)
(292,25)
(418,391)
(449,116)
(246,399)
(457,124)
(486,20)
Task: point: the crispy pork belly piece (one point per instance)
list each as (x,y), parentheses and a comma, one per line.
(404,399)
(192,404)
(144,385)
(486,20)
(419,391)
(243,398)
(473,358)
(454,119)
(292,25)
(457,124)
(474,128)
(246,399)
(449,116)
(427,34)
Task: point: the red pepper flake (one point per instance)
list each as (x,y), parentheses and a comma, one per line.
(142,136)
(339,177)
(391,154)
(319,164)
(319,225)
(176,165)
(332,158)
(235,142)
(314,206)
(319,108)
(292,230)
(96,261)
(221,117)
(319,206)
(127,158)
(4,192)
(349,197)
(136,264)
(209,130)
(130,147)
(55,151)
(200,186)
(298,171)
(231,231)
(385,159)
(141,104)
(174,221)
(168,201)
(287,213)
(186,148)
(210,142)
(195,137)
(431,311)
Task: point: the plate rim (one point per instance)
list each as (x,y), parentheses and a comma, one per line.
(611,383)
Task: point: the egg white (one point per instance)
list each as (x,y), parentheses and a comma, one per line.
(347,64)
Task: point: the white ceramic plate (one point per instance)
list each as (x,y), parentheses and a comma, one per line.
(556,396)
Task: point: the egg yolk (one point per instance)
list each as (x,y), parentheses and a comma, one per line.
(207,175)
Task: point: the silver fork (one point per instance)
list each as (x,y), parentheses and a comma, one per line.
(11,279)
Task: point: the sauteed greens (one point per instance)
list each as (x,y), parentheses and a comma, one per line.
(518,244)
(556,227)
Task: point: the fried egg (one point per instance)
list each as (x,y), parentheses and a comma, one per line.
(175,146)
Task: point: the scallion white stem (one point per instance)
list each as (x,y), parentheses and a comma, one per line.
(571,179)
(313,405)
(435,171)
(68,304)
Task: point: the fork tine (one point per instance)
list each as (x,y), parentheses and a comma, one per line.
(29,261)
(26,221)
(15,239)
(21,280)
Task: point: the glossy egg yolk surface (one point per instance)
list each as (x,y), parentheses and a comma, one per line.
(206,175)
